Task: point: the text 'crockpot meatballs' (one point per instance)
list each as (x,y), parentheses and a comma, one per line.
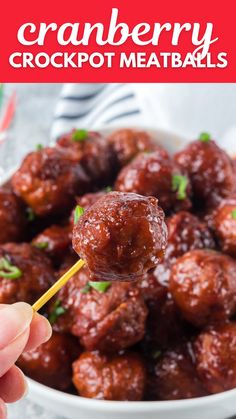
(223,222)
(51,362)
(210,170)
(154,174)
(203,285)
(121,236)
(25,273)
(215,352)
(12,217)
(127,143)
(118,377)
(48,181)
(109,319)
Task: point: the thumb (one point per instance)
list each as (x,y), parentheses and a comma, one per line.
(14,320)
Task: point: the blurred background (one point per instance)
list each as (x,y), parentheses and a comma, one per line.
(32,114)
(26,116)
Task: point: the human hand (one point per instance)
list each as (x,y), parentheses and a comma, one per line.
(20,330)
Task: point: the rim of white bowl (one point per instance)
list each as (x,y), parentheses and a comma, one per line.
(110,405)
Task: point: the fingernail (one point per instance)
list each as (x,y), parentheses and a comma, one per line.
(26,386)
(26,389)
(3,410)
(47,329)
(14,320)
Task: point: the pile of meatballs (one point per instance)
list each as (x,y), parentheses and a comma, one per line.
(162,328)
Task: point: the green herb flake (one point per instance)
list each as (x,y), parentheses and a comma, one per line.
(57,311)
(100,286)
(179,185)
(79,135)
(41,245)
(108,189)
(78,212)
(39,147)
(30,214)
(205,137)
(9,271)
(86,289)
(156,354)
(233,214)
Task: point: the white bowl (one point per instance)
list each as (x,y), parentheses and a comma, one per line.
(219,406)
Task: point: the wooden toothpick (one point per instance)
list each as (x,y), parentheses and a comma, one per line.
(58,285)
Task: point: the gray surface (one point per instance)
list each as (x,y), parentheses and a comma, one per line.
(24,409)
(31,125)
(32,122)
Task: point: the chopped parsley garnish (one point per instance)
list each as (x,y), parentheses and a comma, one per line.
(233,214)
(9,271)
(41,245)
(98,286)
(30,214)
(108,189)
(79,135)
(57,311)
(86,289)
(156,354)
(204,137)
(179,185)
(39,147)
(78,212)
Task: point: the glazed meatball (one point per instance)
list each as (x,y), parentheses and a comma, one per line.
(186,232)
(152,289)
(210,170)
(86,201)
(127,143)
(203,285)
(223,222)
(175,377)
(12,217)
(118,377)
(165,326)
(93,152)
(108,320)
(66,262)
(51,362)
(121,236)
(54,241)
(152,174)
(215,351)
(25,273)
(48,181)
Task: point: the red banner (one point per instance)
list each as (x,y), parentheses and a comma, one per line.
(116,41)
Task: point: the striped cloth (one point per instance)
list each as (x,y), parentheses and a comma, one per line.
(183,109)
(94,105)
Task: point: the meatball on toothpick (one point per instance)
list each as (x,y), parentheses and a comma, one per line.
(121,236)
